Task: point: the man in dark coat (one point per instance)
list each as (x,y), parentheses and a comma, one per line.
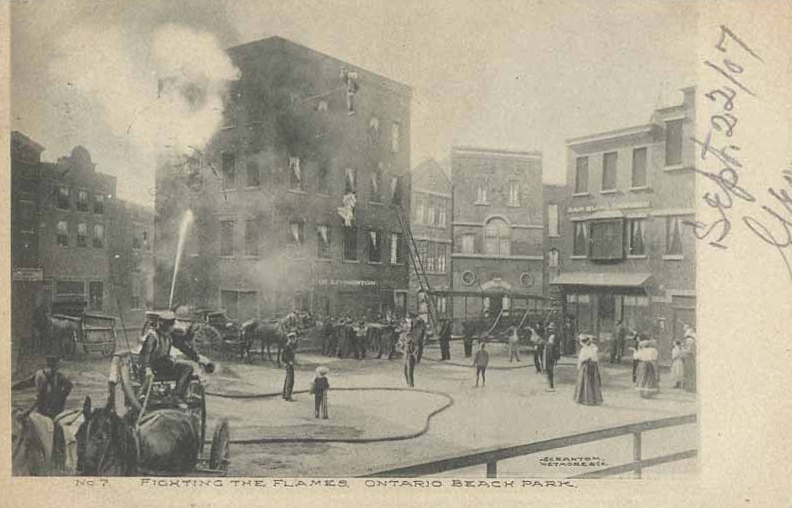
(410,359)
(288,361)
(468,330)
(618,344)
(327,336)
(445,340)
(155,359)
(551,355)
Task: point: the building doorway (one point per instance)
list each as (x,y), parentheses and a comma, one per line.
(606,314)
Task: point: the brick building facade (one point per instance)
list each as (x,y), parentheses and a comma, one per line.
(431,228)
(498,224)
(303,133)
(628,254)
(69,235)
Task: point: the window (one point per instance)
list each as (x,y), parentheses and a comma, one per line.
(375,246)
(322,181)
(468,243)
(226,238)
(63,234)
(514,193)
(635,237)
(580,241)
(423,253)
(441,218)
(134,284)
(433,256)
(82,201)
(63,198)
(552,221)
(322,106)
(497,237)
(376,185)
(350,244)
(70,287)
(98,236)
(673,153)
(673,236)
(296,228)
(350,181)
(395,190)
(96,295)
(229,170)
(606,240)
(295,175)
(581,175)
(395,135)
(639,168)
(481,192)
(82,235)
(135,239)
(253,174)
(27,214)
(323,242)
(552,258)
(396,249)
(252,237)
(431,216)
(419,210)
(609,170)
(99,204)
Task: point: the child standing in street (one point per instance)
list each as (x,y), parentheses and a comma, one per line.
(319,388)
(480,361)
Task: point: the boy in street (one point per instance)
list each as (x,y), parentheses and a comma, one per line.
(480,361)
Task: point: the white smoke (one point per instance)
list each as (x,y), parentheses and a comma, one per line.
(161,93)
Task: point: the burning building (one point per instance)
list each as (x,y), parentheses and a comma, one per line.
(292,201)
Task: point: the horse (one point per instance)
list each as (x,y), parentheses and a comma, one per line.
(267,332)
(39,445)
(163,442)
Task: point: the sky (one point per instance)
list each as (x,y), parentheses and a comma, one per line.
(520,75)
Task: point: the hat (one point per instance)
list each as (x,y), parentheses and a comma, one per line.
(291,335)
(322,370)
(585,339)
(168,317)
(551,326)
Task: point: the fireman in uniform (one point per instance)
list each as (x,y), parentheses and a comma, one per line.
(155,359)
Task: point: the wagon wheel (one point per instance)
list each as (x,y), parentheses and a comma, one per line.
(207,337)
(199,409)
(220,453)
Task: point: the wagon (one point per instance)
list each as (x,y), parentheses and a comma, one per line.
(96,333)
(161,397)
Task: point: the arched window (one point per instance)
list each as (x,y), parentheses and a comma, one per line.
(497,236)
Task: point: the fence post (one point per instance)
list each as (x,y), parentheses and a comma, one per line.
(637,453)
(492,469)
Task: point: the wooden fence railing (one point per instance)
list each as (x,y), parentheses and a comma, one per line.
(491,456)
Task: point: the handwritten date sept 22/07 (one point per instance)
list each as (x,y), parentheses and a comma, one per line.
(719,148)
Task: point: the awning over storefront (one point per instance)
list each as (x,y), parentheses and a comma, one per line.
(613,282)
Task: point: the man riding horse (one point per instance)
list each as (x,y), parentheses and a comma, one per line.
(155,359)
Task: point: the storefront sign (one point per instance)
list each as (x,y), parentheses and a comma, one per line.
(348,283)
(601,208)
(29,274)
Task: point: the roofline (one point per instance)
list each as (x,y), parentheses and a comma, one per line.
(405,89)
(417,171)
(28,140)
(609,135)
(472,150)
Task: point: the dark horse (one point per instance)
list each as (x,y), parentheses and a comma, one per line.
(272,332)
(165,441)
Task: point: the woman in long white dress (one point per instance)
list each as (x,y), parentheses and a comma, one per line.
(588,388)
(648,375)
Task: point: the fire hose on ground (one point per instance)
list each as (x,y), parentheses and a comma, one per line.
(401,437)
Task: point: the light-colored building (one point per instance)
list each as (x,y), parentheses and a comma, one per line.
(627,251)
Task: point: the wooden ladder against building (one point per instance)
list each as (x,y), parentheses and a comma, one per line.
(417,263)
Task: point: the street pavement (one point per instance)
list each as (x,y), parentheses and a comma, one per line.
(513,408)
